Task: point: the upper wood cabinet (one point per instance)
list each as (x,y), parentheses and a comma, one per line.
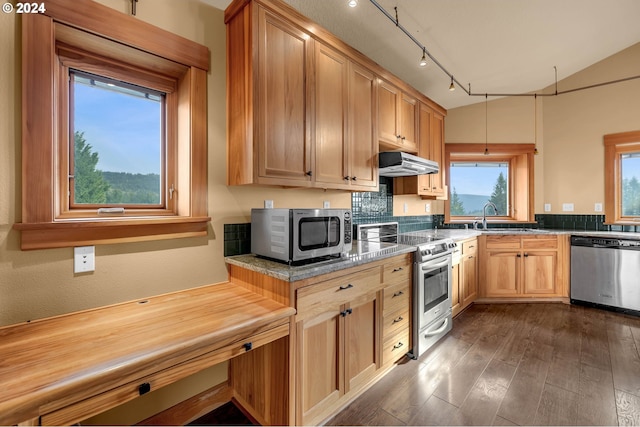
(397,118)
(269,133)
(431,146)
(345,146)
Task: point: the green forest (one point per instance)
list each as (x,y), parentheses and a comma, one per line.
(93,186)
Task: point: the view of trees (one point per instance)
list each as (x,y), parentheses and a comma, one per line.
(93,186)
(631,196)
(498,197)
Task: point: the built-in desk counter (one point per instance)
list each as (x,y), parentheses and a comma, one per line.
(64,369)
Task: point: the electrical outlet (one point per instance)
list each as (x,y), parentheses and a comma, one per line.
(427,207)
(547,207)
(567,207)
(268,204)
(84,259)
(406,208)
(598,207)
(326,204)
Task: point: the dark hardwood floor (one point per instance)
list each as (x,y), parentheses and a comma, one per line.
(515,364)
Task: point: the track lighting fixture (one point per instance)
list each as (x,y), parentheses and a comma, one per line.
(353,3)
(452,87)
(423,61)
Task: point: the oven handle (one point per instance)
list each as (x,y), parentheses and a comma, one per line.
(439,330)
(428,267)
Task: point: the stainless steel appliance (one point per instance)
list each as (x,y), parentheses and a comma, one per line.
(432,290)
(606,272)
(398,163)
(298,235)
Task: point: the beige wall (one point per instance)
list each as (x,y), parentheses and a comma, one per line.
(570,127)
(37,284)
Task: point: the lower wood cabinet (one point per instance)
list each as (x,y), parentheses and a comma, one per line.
(343,331)
(464,275)
(524,266)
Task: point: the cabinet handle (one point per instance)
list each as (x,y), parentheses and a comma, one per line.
(399,319)
(403,138)
(518,255)
(397,294)
(526,254)
(395,270)
(471,246)
(434,188)
(309,173)
(397,346)
(354,178)
(399,136)
(144,388)
(342,288)
(247,346)
(347,178)
(345,312)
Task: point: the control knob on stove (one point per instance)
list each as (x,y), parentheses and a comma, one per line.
(453,245)
(426,252)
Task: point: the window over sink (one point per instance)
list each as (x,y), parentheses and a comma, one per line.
(622,178)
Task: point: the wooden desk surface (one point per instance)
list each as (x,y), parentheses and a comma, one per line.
(51,363)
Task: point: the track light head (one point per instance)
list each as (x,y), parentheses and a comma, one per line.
(423,60)
(353,3)
(452,87)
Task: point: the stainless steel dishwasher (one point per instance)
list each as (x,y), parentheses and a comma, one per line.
(606,272)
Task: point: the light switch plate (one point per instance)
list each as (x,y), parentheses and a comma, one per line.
(84,259)
(598,207)
(326,204)
(268,204)
(547,207)
(427,207)
(567,207)
(406,208)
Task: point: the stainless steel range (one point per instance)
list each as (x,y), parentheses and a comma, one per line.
(432,289)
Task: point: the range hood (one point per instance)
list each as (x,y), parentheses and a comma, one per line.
(398,163)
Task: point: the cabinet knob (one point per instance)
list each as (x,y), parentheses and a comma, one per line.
(309,173)
(397,294)
(345,312)
(398,136)
(397,346)
(526,255)
(399,319)
(395,270)
(247,346)
(343,287)
(354,178)
(144,388)
(518,255)
(347,178)
(403,138)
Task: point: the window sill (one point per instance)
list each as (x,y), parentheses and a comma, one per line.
(69,233)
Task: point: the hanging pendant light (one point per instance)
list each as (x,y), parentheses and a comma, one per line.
(535,124)
(423,60)
(486,127)
(452,87)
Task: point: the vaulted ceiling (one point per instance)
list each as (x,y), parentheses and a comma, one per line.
(498,46)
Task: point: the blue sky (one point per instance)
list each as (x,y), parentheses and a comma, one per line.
(475,180)
(124,130)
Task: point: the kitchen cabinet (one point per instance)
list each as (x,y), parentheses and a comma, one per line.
(343,327)
(464,275)
(345,148)
(524,266)
(431,146)
(397,118)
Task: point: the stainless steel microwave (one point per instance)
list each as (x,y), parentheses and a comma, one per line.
(293,235)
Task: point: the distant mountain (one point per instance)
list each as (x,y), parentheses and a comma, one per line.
(474,203)
(129,188)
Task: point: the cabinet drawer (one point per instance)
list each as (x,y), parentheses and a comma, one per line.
(540,242)
(318,298)
(395,322)
(503,242)
(399,271)
(396,297)
(99,403)
(395,347)
(469,248)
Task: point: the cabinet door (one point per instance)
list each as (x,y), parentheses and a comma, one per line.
(539,272)
(361,341)
(408,123)
(425,117)
(363,144)
(320,365)
(456,307)
(331,116)
(469,279)
(502,274)
(388,108)
(284,56)
(437,154)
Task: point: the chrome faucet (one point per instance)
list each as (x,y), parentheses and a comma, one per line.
(484,213)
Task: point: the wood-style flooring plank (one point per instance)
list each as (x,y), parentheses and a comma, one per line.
(435,412)
(499,421)
(596,397)
(625,362)
(594,344)
(558,407)
(628,407)
(564,373)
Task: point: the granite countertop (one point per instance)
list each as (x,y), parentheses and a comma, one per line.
(362,254)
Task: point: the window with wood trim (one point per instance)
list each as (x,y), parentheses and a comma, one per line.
(622,178)
(503,177)
(90,177)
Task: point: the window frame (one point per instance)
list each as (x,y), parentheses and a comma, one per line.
(614,146)
(521,178)
(92,37)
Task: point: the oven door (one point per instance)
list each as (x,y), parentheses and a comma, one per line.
(433,280)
